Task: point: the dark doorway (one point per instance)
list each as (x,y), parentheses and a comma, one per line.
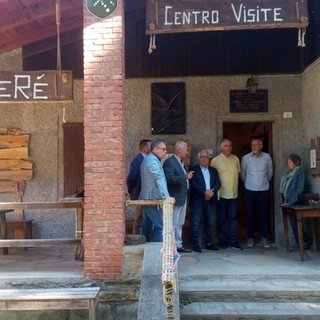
(73,158)
(241,134)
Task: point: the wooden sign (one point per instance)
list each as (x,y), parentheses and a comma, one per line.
(35,86)
(243,101)
(169,16)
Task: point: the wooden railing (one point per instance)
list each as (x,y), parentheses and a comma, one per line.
(168,250)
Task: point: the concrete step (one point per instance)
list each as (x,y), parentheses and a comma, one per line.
(277,297)
(272,290)
(250,310)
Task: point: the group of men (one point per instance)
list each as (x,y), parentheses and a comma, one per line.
(207,186)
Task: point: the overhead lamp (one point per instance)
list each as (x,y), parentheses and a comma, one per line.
(252,85)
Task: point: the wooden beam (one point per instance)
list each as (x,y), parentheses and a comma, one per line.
(25,243)
(77,203)
(36,11)
(51,43)
(37,35)
(11,39)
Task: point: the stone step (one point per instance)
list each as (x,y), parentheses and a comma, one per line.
(276,290)
(250,311)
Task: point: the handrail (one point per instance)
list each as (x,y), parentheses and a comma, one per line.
(168,249)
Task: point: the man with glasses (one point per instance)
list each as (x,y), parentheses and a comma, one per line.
(256,172)
(153,187)
(204,184)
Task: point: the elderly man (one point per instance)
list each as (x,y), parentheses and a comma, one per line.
(178,184)
(256,172)
(228,166)
(153,187)
(204,184)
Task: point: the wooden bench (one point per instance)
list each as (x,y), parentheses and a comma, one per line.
(75,203)
(52,299)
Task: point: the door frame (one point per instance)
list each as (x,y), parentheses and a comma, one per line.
(276,120)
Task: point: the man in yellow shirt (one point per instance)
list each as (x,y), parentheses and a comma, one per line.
(228,167)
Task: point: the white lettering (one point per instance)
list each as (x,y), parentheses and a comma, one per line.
(215,16)
(177,19)
(254,15)
(8,95)
(237,16)
(36,90)
(166,9)
(189,17)
(277,13)
(20,88)
(186,18)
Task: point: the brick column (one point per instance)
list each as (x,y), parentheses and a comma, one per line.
(104,218)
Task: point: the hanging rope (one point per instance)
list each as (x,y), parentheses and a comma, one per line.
(301,36)
(152,43)
(58,21)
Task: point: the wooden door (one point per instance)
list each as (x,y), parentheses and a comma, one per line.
(241,134)
(73,155)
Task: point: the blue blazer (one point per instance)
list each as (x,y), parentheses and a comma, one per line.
(176,180)
(134,178)
(198,185)
(153,180)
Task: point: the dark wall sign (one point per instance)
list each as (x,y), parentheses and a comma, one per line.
(32,86)
(243,101)
(168,113)
(166,16)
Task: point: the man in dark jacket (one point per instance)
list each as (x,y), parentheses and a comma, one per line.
(204,186)
(178,184)
(134,182)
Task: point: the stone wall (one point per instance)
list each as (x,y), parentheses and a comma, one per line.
(311,113)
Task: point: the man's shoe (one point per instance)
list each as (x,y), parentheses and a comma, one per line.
(236,246)
(223,244)
(212,247)
(265,243)
(250,243)
(196,249)
(183,250)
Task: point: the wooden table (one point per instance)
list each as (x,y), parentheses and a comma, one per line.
(300,212)
(63,204)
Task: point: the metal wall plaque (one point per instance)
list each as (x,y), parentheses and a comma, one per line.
(243,101)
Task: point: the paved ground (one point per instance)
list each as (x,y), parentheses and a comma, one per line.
(249,261)
(49,262)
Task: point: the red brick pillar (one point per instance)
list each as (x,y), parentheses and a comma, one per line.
(104,218)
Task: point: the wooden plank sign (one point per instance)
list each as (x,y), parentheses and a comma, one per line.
(14,153)
(169,16)
(35,86)
(13,141)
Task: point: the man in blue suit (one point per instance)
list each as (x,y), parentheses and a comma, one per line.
(204,186)
(178,184)
(134,182)
(153,187)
